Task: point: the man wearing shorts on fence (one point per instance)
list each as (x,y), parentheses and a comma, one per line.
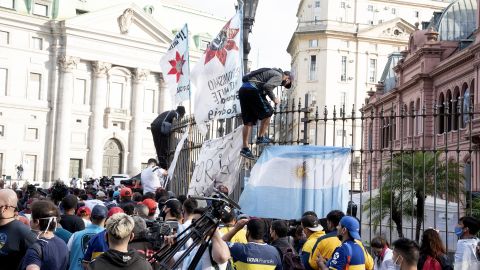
(256,86)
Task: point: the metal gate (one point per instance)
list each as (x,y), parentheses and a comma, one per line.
(411,167)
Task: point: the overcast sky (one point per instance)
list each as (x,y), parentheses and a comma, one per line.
(274,25)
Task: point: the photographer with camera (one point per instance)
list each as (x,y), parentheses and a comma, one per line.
(172,214)
(216,256)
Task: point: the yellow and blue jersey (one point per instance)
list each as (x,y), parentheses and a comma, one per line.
(239,237)
(350,255)
(255,256)
(308,249)
(325,246)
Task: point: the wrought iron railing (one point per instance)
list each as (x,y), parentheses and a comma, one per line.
(410,169)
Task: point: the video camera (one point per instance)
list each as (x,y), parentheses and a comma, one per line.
(156,231)
(106,182)
(200,233)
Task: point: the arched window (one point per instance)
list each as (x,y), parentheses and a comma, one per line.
(418,118)
(455,109)
(448,111)
(441,114)
(370,137)
(411,118)
(404,114)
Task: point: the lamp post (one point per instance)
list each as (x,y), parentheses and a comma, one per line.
(249,10)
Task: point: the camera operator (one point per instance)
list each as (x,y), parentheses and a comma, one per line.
(215,256)
(140,242)
(152,177)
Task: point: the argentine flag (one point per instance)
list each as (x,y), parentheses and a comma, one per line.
(286,181)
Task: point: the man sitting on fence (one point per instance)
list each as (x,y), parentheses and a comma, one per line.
(256,86)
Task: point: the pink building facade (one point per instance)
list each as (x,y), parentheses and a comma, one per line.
(427,99)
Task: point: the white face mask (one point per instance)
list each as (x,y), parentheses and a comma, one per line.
(397,264)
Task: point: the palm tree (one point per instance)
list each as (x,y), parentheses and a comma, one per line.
(407,180)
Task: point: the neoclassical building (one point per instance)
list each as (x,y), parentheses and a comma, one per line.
(427,98)
(80,83)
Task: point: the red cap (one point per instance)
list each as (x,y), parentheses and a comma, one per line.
(114,210)
(84,210)
(126,192)
(151,204)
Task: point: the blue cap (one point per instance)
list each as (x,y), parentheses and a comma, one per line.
(99,211)
(116,194)
(351,224)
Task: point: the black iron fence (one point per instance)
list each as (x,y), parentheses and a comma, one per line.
(411,167)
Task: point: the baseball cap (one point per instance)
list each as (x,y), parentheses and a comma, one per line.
(116,194)
(242,216)
(311,222)
(114,210)
(99,211)
(101,194)
(126,192)
(84,210)
(151,204)
(351,224)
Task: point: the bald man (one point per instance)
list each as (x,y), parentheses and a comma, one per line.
(15,237)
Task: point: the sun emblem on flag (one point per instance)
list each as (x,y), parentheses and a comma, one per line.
(300,171)
(177,66)
(224,42)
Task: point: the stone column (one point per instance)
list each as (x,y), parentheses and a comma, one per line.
(64,114)
(95,154)
(136,126)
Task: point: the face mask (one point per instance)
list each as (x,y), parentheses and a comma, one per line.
(397,264)
(459,231)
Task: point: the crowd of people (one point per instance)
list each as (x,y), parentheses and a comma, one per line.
(117,227)
(72,228)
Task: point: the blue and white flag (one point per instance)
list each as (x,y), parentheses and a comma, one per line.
(286,181)
(176,69)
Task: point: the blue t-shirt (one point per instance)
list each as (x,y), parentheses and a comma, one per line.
(96,246)
(54,255)
(63,234)
(255,256)
(349,253)
(78,245)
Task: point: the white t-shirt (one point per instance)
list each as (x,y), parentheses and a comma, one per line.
(465,251)
(151,178)
(204,263)
(387,263)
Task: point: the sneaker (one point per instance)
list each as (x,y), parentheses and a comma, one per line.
(264,140)
(246,153)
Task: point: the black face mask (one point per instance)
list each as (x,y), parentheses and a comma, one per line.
(286,85)
(340,237)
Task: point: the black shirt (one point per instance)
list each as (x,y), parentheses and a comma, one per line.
(15,239)
(72,223)
(113,260)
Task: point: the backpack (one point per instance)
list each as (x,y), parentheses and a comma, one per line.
(166,127)
(292,261)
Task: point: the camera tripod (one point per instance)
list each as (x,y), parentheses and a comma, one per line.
(200,232)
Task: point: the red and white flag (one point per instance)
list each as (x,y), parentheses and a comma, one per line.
(217,76)
(176,69)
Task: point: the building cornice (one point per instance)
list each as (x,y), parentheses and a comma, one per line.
(430,5)
(453,62)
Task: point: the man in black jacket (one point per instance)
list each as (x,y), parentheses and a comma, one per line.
(161,135)
(119,233)
(256,86)
(280,239)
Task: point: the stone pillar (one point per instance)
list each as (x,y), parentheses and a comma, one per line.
(136,126)
(95,154)
(64,114)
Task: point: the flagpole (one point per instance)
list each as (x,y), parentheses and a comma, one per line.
(190,120)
